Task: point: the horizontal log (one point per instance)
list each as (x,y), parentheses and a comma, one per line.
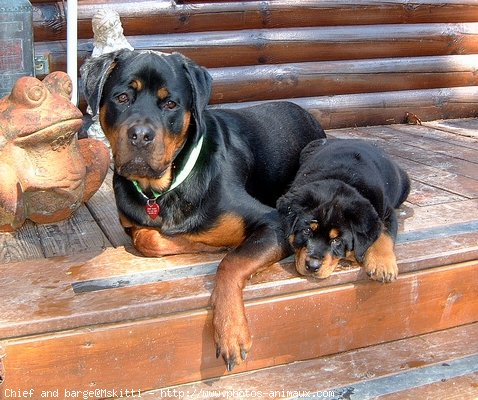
(387,107)
(234,48)
(142,17)
(278,81)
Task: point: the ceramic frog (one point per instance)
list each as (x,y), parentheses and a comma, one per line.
(45,171)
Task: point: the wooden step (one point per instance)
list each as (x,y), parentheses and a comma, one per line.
(438,365)
(92,339)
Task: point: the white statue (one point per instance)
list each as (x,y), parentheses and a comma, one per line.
(108,33)
(108,37)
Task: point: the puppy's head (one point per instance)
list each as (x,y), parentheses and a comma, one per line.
(327,221)
(150,107)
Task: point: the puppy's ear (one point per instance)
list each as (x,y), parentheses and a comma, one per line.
(312,149)
(366,228)
(201,84)
(94,73)
(289,211)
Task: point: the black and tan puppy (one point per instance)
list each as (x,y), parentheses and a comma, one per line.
(191,179)
(341,205)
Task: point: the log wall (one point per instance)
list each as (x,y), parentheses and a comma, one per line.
(323,55)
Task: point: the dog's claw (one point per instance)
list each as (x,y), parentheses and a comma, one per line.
(230,363)
(218,351)
(243,354)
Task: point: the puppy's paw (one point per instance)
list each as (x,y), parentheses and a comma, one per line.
(381,268)
(231,331)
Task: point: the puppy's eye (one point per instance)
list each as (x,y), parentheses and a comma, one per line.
(123,98)
(307,232)
(335,242)
(170,105)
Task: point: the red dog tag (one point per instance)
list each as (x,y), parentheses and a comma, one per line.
(152,208)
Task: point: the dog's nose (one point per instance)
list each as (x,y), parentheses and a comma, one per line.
(140,135)
(313,264)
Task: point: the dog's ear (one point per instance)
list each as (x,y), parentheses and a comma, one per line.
(94,73)
(201,84)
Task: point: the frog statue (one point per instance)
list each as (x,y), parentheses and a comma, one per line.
(45,171)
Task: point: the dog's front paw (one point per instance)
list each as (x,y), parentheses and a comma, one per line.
(380,262)
(381,268)
(231,331)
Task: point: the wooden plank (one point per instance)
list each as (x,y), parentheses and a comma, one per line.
(459,132)
(453,183)
(20,245)
(445,156)
(284,45)
(102,207)
(436,175)
(432,144)
(74,235)
(322,376)
(466,128)
(460,388)
(178,348)
(262,82)
(433,154)
(442,215)
(50,20)
(427,195)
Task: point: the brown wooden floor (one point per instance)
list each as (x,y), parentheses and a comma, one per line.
(80,307)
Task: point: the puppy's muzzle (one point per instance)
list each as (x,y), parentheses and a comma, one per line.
(140,135)
(312,264)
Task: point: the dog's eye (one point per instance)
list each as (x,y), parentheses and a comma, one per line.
(170,105)
(123,98)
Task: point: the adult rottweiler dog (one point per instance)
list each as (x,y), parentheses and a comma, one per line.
(191,179)
(342,205)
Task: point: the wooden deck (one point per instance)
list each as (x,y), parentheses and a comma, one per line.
(82,311)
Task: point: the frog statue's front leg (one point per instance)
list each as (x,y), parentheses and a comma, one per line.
(97,160)
(12,207)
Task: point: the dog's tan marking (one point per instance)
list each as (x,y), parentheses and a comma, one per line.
(111,134)
(152,243)
(329,263)
(162,93)
(380,262)
(334,233)
(137,85)
(228,231)
(314,225)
